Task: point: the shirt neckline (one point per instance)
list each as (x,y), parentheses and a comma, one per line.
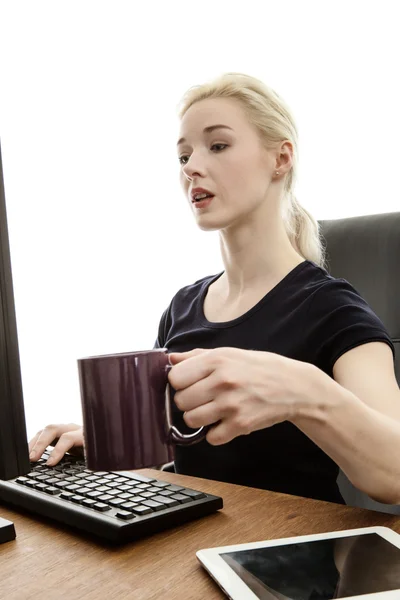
(224,324)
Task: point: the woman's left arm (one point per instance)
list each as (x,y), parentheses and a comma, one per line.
(355,419)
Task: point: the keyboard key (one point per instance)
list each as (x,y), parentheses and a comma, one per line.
(40,486)
(137,499)
(77,499)
(116,502)
(181,498)
(30,483)
(83,491)
(193,494)
(142,510)
(140,478)
(103,481)
(152,504)
(175,488)
(161,484)
(101,507)
(53,491)
(125,514)
(105,498)
(128,505)
(94,494)
(100,472)
(124,496)
(22,479)
(165,493)
(147,494)
(166,501)
(62,484)
(125,487)
(66,495)
(102,488)
(88,502)
(121,480)
(35,475)
(110,476)
(72,488)
(113,484)
(52,480)
(143,485)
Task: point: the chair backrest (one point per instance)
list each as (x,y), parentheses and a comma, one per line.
(366,251)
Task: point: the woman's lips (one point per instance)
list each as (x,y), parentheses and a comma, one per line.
(203,203)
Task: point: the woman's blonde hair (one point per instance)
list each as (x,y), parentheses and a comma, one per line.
(275,123)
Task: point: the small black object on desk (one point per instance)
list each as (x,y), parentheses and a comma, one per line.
(7,531)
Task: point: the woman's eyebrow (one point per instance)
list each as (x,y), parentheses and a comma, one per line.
(207,130)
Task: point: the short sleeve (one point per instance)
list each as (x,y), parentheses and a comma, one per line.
(339,320)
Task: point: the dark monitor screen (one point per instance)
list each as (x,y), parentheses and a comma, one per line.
(14,455)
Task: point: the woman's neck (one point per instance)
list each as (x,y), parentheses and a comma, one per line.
(253,259)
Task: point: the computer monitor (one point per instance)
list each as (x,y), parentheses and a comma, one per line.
(14,454)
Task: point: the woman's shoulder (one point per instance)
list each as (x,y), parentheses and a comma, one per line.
(324,287)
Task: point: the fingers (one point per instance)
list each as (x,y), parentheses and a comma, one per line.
(196,395)
(208,414)
(191,370)
(177,357)
(222,433)
(68,436)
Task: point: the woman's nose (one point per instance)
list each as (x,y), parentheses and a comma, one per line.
(193,168)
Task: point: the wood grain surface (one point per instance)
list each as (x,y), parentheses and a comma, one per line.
(48,560)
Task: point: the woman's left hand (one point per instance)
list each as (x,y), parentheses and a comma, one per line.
(239,391)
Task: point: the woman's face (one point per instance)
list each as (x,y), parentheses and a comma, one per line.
(230,162)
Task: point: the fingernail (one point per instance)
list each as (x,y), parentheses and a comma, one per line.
(32,455)
(50,461)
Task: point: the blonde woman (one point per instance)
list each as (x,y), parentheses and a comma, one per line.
(289,365)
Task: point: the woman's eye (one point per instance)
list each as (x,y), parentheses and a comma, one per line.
(214,145)
(185,156)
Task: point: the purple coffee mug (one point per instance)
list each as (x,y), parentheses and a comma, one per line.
(127,411)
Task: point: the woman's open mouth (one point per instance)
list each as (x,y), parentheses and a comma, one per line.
(203,203)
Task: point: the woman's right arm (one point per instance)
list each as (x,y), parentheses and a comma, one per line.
(64,438)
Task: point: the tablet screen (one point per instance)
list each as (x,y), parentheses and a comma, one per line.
(320,569)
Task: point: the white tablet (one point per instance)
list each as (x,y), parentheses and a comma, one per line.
(355,563)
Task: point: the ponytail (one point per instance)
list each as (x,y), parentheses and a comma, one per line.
(304,232)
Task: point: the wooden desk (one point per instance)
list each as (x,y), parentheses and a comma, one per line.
(48,560)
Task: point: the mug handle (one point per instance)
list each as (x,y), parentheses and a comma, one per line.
(175,435)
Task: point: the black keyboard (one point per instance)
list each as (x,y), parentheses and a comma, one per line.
(117,506)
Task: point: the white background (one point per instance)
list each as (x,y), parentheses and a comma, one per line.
(101,234)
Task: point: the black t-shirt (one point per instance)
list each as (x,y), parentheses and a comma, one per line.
(308,316)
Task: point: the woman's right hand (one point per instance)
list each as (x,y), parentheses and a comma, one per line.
(62,437)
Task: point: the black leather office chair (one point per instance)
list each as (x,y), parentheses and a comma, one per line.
(366,251)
